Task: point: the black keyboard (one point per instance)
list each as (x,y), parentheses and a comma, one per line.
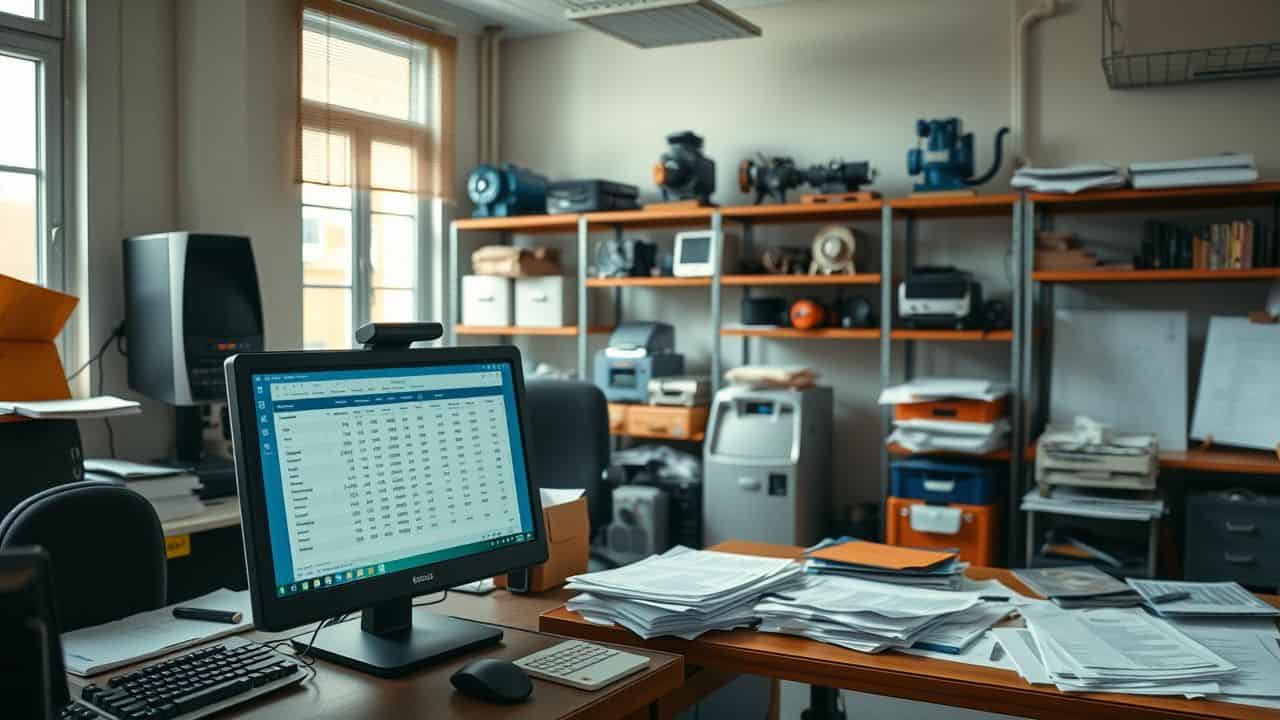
(190,686)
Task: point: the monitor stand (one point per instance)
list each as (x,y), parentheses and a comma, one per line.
(390,642)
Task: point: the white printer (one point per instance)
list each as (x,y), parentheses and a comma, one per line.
(767,465)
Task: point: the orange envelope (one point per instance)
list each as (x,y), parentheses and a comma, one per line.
(889,557)
(30,319)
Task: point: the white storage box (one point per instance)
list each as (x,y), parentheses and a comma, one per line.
(486,300)
(549,301)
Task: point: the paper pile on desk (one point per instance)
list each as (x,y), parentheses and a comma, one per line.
(1208,599)
(846,557)
(870,616)
(682,592)
(1118,650)
(1063,500)
(171,491)
(1070,179)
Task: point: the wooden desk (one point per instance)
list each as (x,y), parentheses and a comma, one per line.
(339,693)
(524,611)
(898,675)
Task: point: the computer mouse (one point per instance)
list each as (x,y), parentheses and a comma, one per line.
(497,681)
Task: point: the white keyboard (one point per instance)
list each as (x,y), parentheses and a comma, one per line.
(583,665)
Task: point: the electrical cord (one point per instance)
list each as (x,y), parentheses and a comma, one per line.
(116,336)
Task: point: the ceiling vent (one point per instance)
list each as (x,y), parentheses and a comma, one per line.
(660,23)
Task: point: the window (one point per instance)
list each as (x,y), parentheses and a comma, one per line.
(31,142)
(373,152)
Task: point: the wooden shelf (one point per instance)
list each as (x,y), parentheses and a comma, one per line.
(897,450)
(696,437)
(1130,200)
(954,335)
(782,333)
(1095,276)
(650,282)
(566,331)
(692,217)
(804,212)
(522,223)
(973,206)
(800,280)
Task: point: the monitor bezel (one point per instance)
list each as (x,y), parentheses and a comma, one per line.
(274,613)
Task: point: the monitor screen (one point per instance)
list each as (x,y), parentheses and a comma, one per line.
(372,471)
(695,249)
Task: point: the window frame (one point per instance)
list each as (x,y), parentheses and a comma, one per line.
(362,133)
(50,171)
(51,22)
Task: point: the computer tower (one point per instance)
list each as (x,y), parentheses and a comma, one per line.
(191,301)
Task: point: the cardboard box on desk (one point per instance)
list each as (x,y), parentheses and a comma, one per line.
(37,453)
(568,545)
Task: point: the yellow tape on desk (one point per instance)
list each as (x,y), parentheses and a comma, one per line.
(177,546)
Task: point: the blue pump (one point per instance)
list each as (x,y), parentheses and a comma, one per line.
(955,171)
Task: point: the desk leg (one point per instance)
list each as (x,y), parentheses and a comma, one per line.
(775,700)
(824,704)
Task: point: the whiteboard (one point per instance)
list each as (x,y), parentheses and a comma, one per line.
(1126,368)
(1239,398)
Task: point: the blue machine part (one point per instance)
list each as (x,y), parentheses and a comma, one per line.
(947,160)
(507,190)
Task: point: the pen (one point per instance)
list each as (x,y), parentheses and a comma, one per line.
(994,598)
(1170,597)
(230,617)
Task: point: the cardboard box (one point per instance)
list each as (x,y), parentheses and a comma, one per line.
(30,319)
(568,545)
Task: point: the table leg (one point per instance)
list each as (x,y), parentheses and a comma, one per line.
(775,700)
(824,704)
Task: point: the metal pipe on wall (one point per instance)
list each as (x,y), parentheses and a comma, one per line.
(1018,123)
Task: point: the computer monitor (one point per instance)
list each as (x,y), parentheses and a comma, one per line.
(32,678)
(369,477)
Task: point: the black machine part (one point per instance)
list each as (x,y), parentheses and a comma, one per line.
(683,171)
(765,311)
(996,315)
(774,176)
(626,257)
(995,161)
(854,311)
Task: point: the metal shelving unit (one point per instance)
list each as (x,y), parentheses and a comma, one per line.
(911,211)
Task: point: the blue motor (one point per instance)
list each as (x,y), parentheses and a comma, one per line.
(506,191)
(956,170)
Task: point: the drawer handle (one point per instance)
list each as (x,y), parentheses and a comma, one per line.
(1242,528)
(940,486)
(1235,559)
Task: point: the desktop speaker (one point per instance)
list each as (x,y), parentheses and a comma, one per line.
(639,527)
(191,301)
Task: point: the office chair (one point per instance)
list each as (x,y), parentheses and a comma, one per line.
(106,548)
(569,441)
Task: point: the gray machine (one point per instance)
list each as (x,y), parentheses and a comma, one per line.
(637,353)
(767,465)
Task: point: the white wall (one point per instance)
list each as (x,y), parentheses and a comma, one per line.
(127,147)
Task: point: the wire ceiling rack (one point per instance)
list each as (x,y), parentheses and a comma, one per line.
(1170,67)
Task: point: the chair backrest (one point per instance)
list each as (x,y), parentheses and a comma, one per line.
(106,547)
(570,443)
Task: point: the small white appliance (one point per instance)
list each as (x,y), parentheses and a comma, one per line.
(546,302)
(693,253)
(767,465)
(639,527)
(486,300)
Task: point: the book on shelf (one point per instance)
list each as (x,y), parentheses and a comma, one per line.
(1236,245)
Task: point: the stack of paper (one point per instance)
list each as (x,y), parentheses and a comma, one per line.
(1119,650)
(1207,599)
(1226,169)
(1079,587)
(682,592)
(929,435)
(1063,500)
(94,408)
(171,491)
(870,616)
(846,557)
(1070,179)
(1252,645)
